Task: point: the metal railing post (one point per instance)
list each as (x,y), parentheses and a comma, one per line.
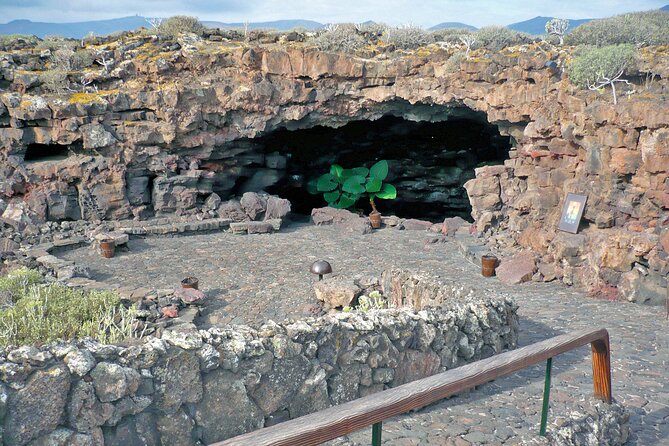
(376,433)
(547,396)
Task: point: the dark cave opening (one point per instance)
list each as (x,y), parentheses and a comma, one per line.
(45,152)
(429,161)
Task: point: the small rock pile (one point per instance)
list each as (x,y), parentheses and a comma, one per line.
(254,213)
(598,423)
(350,222)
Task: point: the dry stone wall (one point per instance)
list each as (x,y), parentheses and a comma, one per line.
(208,385)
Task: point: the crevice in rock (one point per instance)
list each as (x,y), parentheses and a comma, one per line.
(46,152)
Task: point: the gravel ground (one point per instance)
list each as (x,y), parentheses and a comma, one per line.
(254,278)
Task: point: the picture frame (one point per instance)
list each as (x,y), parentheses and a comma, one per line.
(572,212)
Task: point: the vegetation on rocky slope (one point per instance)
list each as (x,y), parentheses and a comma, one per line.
(638,28)
(37,313)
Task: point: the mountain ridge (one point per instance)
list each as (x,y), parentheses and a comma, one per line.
(534,25)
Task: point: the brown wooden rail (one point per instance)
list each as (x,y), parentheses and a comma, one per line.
(345,418)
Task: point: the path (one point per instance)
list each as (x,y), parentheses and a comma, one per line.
(254,278)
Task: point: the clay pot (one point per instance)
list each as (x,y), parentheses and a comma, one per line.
(190,282)
(107,248)
(488,265)
(375,219)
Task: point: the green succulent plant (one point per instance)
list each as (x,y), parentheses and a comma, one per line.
(342,188)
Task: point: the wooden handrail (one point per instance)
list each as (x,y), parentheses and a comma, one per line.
(345,418)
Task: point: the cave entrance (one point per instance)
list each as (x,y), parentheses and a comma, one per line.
(429,161)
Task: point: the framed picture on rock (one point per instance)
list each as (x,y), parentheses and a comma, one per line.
(572,211)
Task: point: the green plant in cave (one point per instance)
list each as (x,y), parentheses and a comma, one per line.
(342,188)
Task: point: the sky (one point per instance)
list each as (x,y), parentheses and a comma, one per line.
(420,12)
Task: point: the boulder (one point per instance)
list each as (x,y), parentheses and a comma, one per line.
(517,269)
(412,224)
(664,240)
(232,210)
(277,387)
(226,410)
(190,296)
(259,227)
(16,215)
(84,411)
(416,365)
(342,219)
(112,381)
(178,380)
(80,362)
(119,237)
(29,355)
(96,136)
(212,202)
(451,225)
(277,208)
(8,245)
(254,205)
(175,429)
(336,291)
(38,406)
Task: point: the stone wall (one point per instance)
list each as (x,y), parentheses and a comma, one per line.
(594,423)
(156,139)
(210,385)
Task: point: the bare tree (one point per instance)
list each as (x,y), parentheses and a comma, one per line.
(246,30)
(602,81)
(557,27)
(155,22)
(468,41)
(102,59)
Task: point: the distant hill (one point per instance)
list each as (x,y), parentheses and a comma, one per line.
(281,25)
(75,29)
(454,25)
(104,27)
(537,25)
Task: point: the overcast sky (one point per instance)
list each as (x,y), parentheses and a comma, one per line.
(421,12)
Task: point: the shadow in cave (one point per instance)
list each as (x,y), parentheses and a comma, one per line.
(429,161)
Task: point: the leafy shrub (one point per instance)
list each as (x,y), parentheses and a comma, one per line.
(342,188)
(595,67)
(55,312)
(54,43)
(637,28)
(16,284)
(591,63)
(82,59)
(54,80)
(342,37)
(10,40)
(499,37)
(179,24)
(451,35)
(407,37)
(375,301)
(452,65)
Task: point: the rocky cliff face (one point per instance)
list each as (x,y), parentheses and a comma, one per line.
(162,131)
